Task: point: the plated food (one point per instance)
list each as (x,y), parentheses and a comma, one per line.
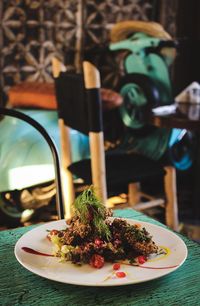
(95,249)
(92,237)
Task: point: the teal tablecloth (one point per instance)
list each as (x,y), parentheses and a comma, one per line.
(18,286)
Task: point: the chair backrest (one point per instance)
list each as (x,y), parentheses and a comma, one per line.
(71,101)
(79,107)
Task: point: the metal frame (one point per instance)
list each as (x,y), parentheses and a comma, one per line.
(43,132)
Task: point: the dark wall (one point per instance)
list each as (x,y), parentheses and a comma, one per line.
(187,65)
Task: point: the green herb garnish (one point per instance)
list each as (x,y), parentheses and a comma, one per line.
(89,209)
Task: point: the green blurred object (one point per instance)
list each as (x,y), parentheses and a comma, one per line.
(147,61)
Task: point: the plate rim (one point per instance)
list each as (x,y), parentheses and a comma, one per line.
(103,284)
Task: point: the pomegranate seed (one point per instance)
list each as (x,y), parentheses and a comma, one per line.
(116,266)
(142,259)
(98,241)
(97,261)
(120,274)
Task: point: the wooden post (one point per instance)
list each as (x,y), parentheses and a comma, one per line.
(171,198)
(92,81)
(66,160)
(133,194)
(98,165)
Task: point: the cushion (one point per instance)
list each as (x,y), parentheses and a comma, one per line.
(33,95)
(121,169)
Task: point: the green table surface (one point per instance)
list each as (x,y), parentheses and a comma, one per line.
(18,286)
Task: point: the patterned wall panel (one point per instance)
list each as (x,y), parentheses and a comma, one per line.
(167,15)
(32,31)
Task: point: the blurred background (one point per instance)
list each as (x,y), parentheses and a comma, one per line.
(32,31)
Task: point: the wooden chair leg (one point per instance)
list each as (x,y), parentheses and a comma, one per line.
(98,165)
(134,194)
(96,137)
(67,177)
(171,212)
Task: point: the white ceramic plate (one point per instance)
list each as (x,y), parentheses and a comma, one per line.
(52,268)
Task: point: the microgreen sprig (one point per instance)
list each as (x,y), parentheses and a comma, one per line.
(89,209)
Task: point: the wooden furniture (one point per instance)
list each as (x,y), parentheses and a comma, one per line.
(20,286)
(32,95)
(79,107)
(186,116)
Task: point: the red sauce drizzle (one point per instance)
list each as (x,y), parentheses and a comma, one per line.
(31,251)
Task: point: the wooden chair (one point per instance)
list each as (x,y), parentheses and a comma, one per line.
(79,107)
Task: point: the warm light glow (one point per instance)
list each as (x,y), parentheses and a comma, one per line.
(26,176)
(26,215)
(68,193)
